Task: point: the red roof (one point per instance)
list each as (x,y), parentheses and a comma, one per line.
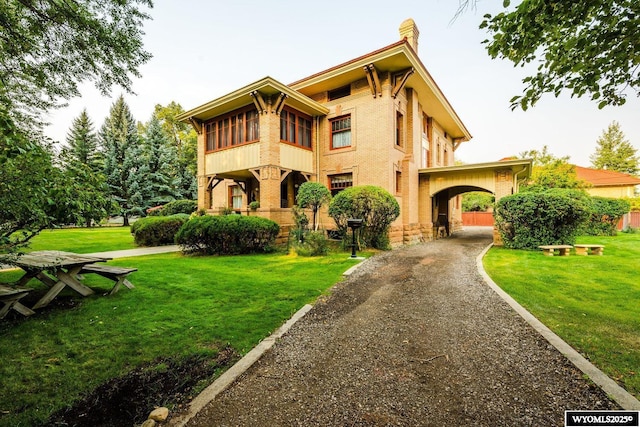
(605,178)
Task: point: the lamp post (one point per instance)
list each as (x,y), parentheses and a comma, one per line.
(354,223)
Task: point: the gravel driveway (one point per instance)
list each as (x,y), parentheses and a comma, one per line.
(413,338)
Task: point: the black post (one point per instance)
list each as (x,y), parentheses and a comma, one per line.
(354,224)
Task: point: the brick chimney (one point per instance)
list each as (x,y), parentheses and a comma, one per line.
(409,31)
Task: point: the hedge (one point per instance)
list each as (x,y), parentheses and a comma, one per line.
(528,219)
(604,216)
(227,234)
(176,207)
(157,230)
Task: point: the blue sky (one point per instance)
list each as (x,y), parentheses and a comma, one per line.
(205,49)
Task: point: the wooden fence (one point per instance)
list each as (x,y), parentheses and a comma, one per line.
(632,219)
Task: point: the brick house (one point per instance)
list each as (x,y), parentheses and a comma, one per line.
(379,119)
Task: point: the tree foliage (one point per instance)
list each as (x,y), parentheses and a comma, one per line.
(374,205)
(477,201)
(313,195)
(550,171)
(614,152)
(124,165)
(48,47)
(161,165)
(589,47)
(528,219)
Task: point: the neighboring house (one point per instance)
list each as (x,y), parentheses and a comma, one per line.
(379,119)
(606,183)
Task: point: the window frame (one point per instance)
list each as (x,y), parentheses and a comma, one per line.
(301,125)
(340,131)
(335,189)
(232,129)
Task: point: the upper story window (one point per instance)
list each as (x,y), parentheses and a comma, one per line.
(341,132)
(295,128)
(236,128)
(340,92)
(399,129)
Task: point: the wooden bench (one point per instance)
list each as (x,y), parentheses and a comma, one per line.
(10,298)
(550,250)
(117,274)
(585,249)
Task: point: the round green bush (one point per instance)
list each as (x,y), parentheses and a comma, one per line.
(157,230)
(374,205)
(227,234)
(552,217)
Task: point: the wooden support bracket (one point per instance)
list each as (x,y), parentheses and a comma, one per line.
(401,81)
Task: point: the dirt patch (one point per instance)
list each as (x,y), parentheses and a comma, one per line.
(128,400)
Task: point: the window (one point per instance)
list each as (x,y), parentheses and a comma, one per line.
(239,127)
(337,183)
(341,92)
(341,132)
(398,182)
(399,128)
(235,197)
(295,128)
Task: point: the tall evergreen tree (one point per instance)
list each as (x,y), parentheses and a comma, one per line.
(83,163)
(614,152)
(124,164)
(184,139)
(82,144)
(162,164)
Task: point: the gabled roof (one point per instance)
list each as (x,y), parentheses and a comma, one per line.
(266,86)
(605,178)
(394,58)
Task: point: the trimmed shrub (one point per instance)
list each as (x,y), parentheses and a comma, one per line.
(176,207)
(552,217)
(227,234)
(157,230)
(315,244)
(374,205)
(605,215)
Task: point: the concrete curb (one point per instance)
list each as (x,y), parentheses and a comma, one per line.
(617,393)
(226,379)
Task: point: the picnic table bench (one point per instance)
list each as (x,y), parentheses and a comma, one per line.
(56,269)
(586,249)
(10,299)
(550,250)
(117,274)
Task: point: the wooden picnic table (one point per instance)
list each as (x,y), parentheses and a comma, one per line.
(56,269)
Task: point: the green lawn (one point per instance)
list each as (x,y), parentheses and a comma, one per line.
(592,302)
(83,240)
(181,306)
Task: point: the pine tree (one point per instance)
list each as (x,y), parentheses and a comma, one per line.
(82,144)
(162,164)
(124,164)
(614,152)
(82,163)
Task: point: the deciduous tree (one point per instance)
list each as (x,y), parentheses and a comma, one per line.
(588,47)
(48,47)
(550,171)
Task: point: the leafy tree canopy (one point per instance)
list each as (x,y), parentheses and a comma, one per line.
(48,47)
(587,47)
(614,152)
(550,171)
(313,195)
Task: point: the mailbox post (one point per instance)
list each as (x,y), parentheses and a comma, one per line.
(354,224)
